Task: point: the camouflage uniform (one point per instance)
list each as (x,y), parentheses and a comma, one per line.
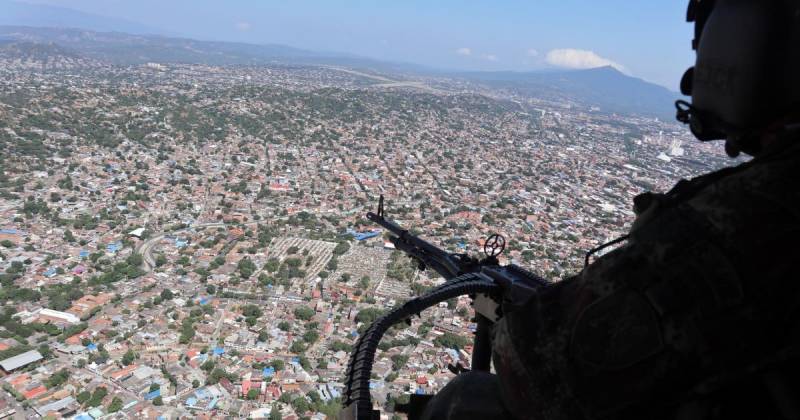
(696,316)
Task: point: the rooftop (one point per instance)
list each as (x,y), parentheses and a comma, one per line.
(20,360)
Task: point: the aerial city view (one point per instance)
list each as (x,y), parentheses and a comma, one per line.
(185,238)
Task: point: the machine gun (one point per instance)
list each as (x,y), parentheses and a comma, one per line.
(492,287)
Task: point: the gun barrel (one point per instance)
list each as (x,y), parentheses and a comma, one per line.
(438,259)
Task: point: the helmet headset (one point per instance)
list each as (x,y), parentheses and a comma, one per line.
(746,79)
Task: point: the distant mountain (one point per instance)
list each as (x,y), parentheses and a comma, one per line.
(33,50)
(602,87)
(29,14)
(124,48)
(41,56)
(130,49)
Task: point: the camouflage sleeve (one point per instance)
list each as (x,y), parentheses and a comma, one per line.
(709,275)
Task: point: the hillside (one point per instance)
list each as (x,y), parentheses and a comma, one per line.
(603,87)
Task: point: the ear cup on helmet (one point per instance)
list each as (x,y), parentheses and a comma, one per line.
(686,81)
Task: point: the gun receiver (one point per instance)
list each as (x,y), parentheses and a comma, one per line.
(446,264)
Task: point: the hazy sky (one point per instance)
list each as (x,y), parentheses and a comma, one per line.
(647,39)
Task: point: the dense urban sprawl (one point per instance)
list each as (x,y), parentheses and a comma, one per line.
(187,241)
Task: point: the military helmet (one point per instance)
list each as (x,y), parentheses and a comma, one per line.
(746,77)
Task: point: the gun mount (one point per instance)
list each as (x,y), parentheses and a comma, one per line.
(487,282)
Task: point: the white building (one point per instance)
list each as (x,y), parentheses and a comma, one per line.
(59,316)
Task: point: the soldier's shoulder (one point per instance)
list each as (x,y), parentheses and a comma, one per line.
(754,194)
(757,198)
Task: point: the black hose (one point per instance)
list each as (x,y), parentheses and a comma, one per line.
(356,399)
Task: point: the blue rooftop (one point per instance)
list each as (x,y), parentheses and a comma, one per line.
(268,371)
(114,247)
(50,272)
(360,236)
(91,347)
(9,231)
(84,253)
(153,394)
(218,351)
(420,391)
(191,401)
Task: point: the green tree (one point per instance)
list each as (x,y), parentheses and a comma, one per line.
(57,379)
(368,315)
(167,294)
(252,394)
(252,310)
(116,405)
(297,347)
(272,265)
(341,248)
(277,364)
(399,360)
(83,397)
(246,267)
(160,260)
(275,412)
(300,404)
(451,340)
(338,345)
(303,312)
(97,396)
(158,401)
(128,357)
(208,365)
(135,259)
(310,336)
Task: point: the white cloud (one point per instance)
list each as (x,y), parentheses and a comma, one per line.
(579,59)
(243,26)
(532,52)
(464,51)
(491,57)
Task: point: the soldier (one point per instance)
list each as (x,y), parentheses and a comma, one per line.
(697,315)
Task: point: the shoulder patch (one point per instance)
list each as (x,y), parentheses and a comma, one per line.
(616,331)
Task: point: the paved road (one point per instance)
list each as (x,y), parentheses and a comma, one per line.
(387,82)
(146,248)
(218,327)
